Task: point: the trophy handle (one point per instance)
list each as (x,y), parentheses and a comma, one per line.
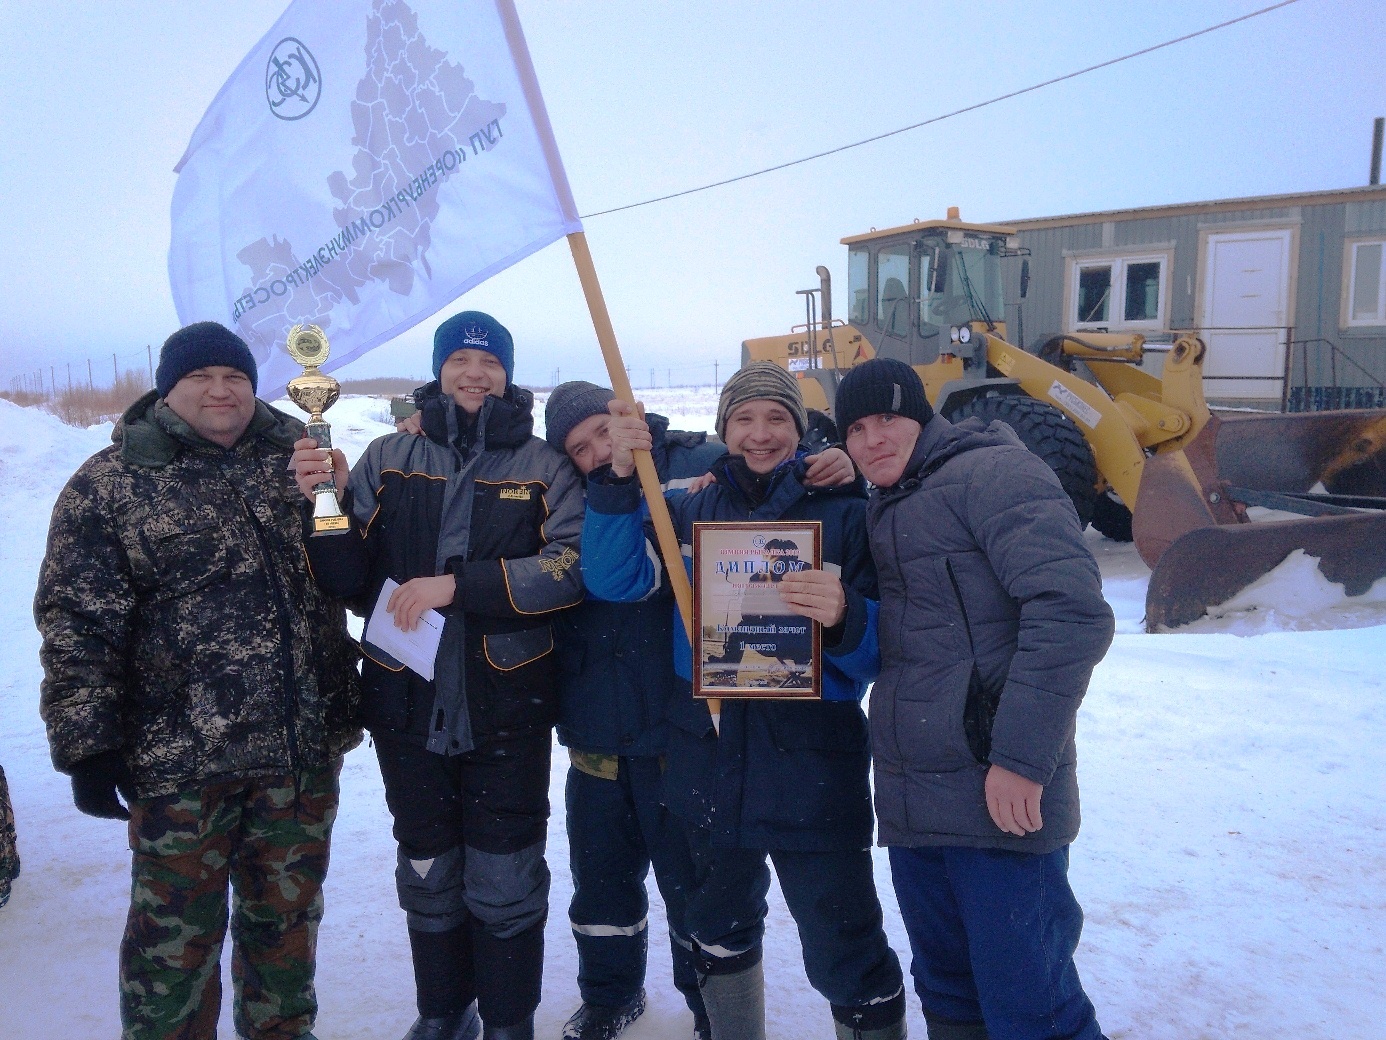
(328,517)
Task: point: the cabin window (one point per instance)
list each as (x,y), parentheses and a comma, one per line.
(1118,292)
(1366,303)
(893,290)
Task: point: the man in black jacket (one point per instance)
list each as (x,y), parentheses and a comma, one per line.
(991,622)
(480,520)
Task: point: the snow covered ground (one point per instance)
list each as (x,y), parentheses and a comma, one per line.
(1232,862)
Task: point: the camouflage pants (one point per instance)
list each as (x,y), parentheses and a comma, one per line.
(9,851)
(272,847)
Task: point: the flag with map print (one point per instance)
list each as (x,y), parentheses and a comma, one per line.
(366,164)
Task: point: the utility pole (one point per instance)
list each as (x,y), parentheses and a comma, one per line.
(52,381)
(715,380)
(91,383)
(69,377)
(668,377)
(652,379)
(115,371)
(149,353)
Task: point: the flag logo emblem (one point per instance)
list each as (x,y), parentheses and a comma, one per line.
(293,82)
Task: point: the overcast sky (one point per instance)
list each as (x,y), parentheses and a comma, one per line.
(99,98)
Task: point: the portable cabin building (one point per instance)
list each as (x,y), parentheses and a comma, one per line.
(1288,291)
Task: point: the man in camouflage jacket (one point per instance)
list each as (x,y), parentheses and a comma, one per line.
(191,663)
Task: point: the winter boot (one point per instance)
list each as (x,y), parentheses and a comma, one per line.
(947,1029)
(893,1031)
(523,1030)
(594,1022)
(881,1020)
(702,1028)
(460,1025)
(736,1003)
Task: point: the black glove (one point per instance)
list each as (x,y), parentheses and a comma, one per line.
(94,783)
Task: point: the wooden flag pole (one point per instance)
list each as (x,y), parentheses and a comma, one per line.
(644,464)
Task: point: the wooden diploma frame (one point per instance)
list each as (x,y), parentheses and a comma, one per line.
(747,643)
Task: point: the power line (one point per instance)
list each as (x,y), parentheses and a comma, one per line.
(948,115)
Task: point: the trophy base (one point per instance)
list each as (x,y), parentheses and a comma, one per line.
(328,517)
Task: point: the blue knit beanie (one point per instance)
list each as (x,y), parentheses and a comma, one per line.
(200,345)
(473,330)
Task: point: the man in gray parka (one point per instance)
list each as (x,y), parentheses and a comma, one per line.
(991,622)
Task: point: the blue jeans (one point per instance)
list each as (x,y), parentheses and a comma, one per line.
(993,935)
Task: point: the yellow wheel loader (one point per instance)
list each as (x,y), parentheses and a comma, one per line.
(931,294)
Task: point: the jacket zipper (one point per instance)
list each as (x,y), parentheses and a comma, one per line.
(287,705)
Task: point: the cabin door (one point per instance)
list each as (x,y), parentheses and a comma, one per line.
(1246,313)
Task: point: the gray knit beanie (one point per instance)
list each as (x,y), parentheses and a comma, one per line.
(761,381)
(570,404)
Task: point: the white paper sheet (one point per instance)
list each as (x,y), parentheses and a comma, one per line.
(417,649)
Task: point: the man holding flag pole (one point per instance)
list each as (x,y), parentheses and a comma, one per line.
(367,163)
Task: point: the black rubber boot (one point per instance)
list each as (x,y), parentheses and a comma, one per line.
(509,979)
(595,1022)
(461,1025)
(443,980)
(519,1031)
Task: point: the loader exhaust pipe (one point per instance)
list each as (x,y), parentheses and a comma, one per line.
(1378,131)
(825,280)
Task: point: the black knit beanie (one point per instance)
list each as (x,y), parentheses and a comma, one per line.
(570,404)
(879,386)
(761,381)
(200,345)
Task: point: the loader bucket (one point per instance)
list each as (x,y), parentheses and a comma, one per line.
(1346,451)
(1210,565)
(1191,526)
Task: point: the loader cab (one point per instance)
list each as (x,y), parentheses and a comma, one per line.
(919,292)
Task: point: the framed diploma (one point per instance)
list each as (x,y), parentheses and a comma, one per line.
(746,642)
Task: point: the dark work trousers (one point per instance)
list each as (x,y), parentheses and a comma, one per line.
(471,873)
(617,829)
(993,935)
(832,898)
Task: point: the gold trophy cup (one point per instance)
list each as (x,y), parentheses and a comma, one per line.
(315,392)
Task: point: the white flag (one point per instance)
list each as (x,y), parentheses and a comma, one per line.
(366,164)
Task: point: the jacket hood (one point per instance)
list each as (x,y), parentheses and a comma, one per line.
(152,434)
(503,422)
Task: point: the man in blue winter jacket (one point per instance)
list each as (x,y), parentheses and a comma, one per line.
(783,780)
(616,680)
(992,620)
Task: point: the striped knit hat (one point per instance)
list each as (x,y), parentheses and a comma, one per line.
(761,381)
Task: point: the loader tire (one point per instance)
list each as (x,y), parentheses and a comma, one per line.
(1111,518)
(1051,435)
